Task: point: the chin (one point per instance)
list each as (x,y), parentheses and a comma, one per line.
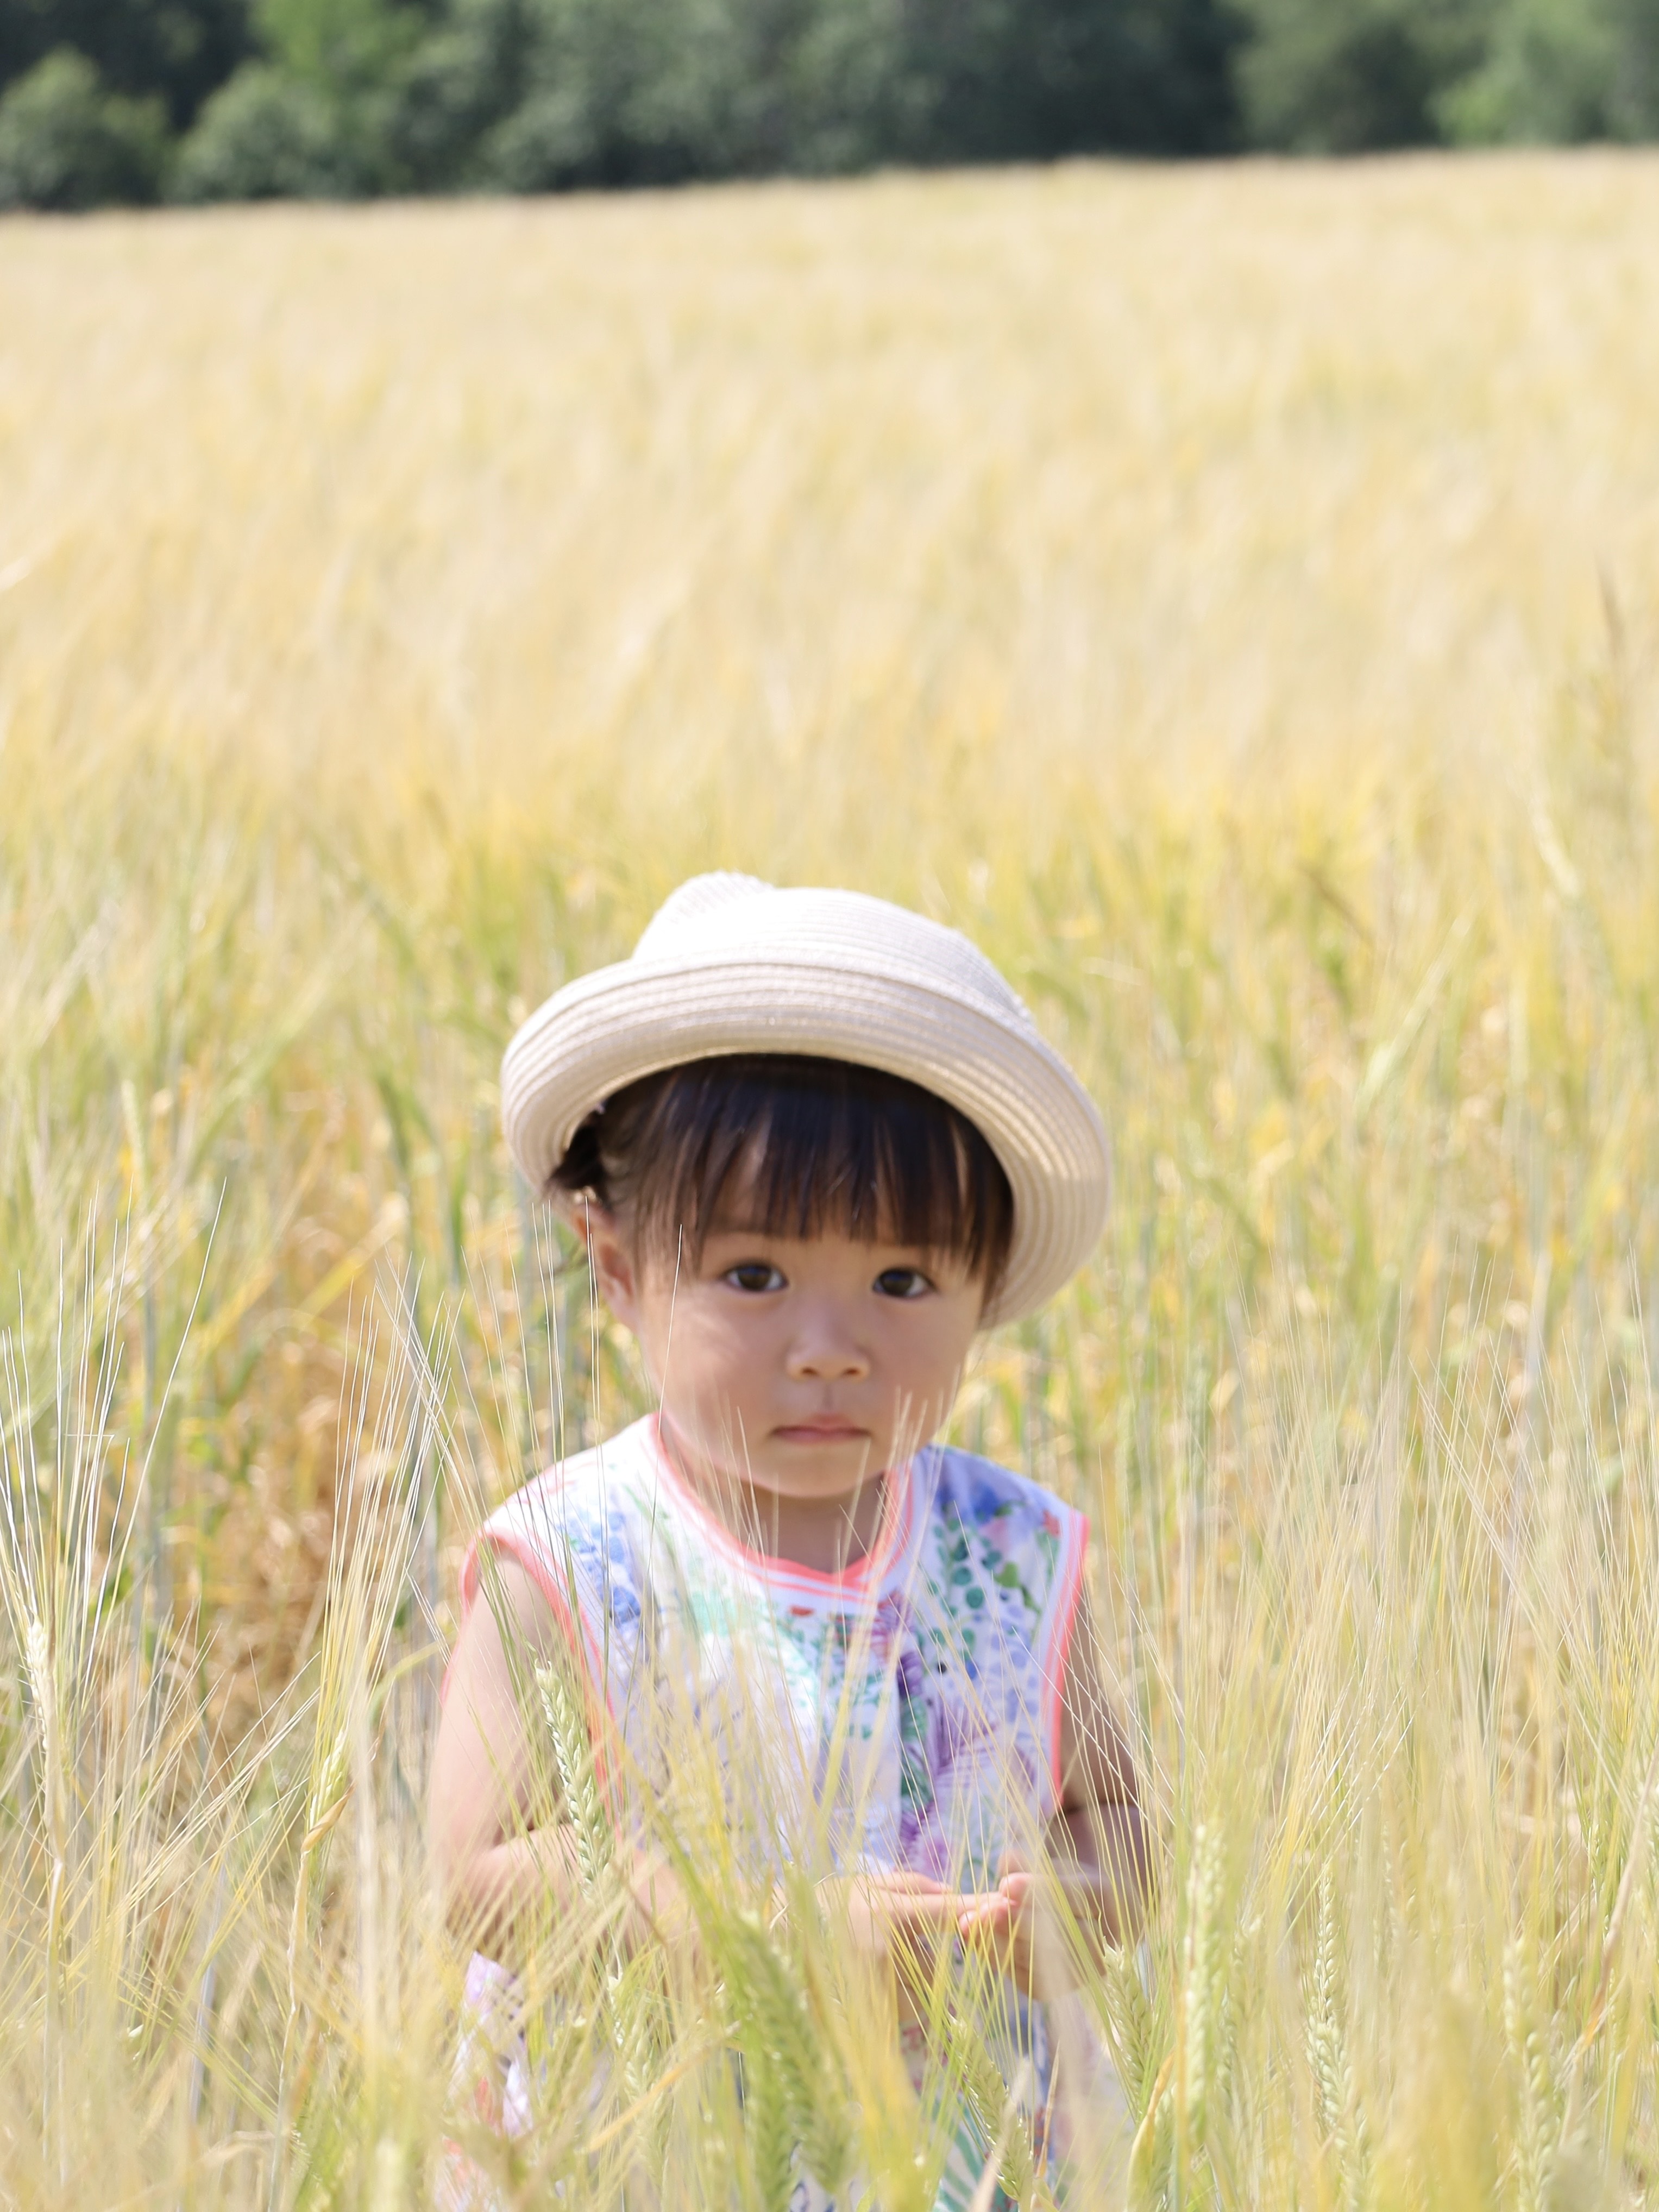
(833,1466)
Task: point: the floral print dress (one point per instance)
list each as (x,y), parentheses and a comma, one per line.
(903,1714)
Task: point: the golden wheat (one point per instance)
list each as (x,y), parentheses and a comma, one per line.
(1233,595)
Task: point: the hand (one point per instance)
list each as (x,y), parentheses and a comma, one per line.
(886,1911)
(1001,1925)
(897,1920)
(658,1906)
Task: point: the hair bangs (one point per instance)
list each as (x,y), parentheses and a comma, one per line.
(794,1147)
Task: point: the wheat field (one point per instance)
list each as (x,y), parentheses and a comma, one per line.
(1232,595)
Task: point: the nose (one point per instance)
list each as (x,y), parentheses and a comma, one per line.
(825,1348)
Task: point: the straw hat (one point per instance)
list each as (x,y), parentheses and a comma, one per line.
(729,964)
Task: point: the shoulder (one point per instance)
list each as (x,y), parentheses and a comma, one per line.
(990,1526)
(573,1518)
(981,1495)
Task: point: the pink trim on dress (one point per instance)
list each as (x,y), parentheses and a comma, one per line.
(862,1577)
(584,1645)
(1058,1642)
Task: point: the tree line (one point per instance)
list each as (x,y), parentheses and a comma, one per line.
(112,101)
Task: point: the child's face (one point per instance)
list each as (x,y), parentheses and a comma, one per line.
(802,1366)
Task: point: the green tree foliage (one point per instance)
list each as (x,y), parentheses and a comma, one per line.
(529,94)
(1003,80)
(179,49)
(341,97)
(353,57)
(1354,75)
(1559,71)
(459,83)
(1343,77)
(265,135)
(68,142)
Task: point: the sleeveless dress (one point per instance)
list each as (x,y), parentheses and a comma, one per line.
(903,1714)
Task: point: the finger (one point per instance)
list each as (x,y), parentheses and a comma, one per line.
(986,1917)
(942,1910)
(901,1882)
(997,1946)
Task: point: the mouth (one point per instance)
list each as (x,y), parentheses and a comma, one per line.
(821,1429)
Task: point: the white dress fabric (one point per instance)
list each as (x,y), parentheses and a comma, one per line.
(903,1714)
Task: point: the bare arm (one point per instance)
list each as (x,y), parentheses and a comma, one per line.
(1098,1837)
(1098,1852)
(502,1852)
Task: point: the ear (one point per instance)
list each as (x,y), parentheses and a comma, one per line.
(610,1255)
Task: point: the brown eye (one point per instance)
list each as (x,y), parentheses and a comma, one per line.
(903,1283)
(754,1275)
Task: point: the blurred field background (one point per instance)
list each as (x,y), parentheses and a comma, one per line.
(1231,595)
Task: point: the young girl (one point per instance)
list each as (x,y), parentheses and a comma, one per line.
(814,1144)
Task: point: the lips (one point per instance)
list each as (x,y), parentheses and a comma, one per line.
(828,1428)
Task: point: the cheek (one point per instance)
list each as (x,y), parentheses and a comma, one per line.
(721,1348)
(929,1360)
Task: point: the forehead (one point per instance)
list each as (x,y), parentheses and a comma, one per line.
(740,1208)
(739,1212)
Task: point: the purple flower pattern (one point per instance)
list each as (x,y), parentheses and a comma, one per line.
(914,1701)
(918,1695)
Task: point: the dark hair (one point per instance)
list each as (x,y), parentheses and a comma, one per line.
(831,1145)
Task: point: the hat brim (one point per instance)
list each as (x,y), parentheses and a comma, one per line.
(610,1028)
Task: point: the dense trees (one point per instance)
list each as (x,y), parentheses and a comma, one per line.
(1348,75)
(129,100)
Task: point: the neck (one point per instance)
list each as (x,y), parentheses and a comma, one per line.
(827,1535)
